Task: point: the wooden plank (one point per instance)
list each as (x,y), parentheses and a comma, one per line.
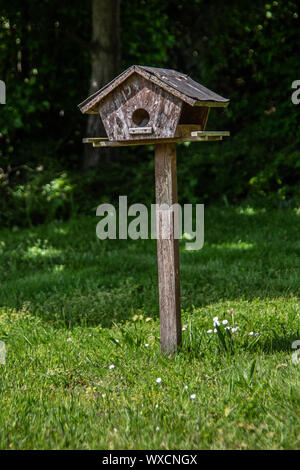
(185,130)
(98,142)
(205,118)
(190,129)
(212,104)
(140,130)
(210,133)
(129,143)
(92,140)
(167,249)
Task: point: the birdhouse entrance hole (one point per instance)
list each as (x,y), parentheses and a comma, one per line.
(140,117)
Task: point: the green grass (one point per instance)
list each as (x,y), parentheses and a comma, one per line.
(71,306)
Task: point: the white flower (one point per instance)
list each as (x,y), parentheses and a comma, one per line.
(184,328)
(157,428)
(209,331)
(116,340)
(256,334)
(111,367)
(215,330)
(235,329)
(251,333)
(225,322)
(69,340)
(216,321)
(228,328)
(146,345)
(158,380)
(193,396)
(186,387)
(156,406)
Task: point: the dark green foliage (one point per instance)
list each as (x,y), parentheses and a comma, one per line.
(39,63)
(245,51)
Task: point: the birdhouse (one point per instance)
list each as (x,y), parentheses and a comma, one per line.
(148,103)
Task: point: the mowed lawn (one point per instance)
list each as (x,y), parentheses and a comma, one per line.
(79,318)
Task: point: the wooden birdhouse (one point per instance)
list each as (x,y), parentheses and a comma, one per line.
(148,103)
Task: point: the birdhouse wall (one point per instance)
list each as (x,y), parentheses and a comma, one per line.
(194,115)
(192,118)
(139,109)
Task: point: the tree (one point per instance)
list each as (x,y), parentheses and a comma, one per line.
(105,54)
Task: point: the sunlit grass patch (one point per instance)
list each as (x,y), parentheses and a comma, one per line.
(80,323)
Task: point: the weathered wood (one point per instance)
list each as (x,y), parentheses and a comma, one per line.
(167,248)
(92,140)
(91,104)
(151,103)
(206,119)
(210,133)
(185,85)
(175,83)
(118,109)
(185,130)
(212,104)
(167,86)
(140,130)
(194,115)
(179,140)
(161,107)
(104,142)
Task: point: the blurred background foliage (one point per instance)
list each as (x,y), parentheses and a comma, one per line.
(246,51)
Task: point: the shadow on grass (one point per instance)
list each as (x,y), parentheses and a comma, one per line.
(279,343)
(69,278)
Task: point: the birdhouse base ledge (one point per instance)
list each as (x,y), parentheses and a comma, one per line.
(197,136)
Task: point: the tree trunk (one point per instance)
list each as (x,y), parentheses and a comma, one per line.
(105,64)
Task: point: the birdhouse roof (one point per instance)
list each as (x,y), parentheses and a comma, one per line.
(176,83)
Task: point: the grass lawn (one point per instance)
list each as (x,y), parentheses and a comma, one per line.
(72,306)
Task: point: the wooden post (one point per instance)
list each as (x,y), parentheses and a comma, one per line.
(167,249)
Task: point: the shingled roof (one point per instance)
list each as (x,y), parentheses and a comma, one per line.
(174,82)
